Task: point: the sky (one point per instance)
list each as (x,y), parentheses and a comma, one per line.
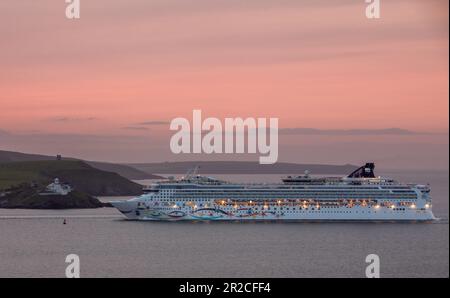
(106,86)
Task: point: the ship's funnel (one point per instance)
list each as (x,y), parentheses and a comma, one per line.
(366,171)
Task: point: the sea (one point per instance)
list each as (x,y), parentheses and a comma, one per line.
(35,243)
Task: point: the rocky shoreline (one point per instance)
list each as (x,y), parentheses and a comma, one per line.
(26,196)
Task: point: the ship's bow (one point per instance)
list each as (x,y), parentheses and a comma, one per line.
(127,208)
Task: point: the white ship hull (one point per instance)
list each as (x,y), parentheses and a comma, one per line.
(132,212)
(358,197)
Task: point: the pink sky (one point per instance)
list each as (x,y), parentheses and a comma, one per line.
(313,63)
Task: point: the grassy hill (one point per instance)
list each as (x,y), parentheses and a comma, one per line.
(123,170)
(78,174)
(9,156)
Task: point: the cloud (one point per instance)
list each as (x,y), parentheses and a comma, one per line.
(71,119)
(4,133)
(347,132)
(154,123)
(427,151)
(134,128)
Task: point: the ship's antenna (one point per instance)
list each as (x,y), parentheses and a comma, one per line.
(195,170)
(192,172)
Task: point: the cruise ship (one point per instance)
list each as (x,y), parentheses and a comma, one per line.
(360,196)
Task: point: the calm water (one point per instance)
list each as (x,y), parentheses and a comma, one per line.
(34,243)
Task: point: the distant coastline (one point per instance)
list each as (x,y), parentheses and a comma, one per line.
(121,169)
(242,167)
(23,177)
(143,171)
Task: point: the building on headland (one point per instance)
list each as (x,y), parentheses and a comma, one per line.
(56,188)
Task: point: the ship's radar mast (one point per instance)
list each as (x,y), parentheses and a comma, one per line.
(192,172)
